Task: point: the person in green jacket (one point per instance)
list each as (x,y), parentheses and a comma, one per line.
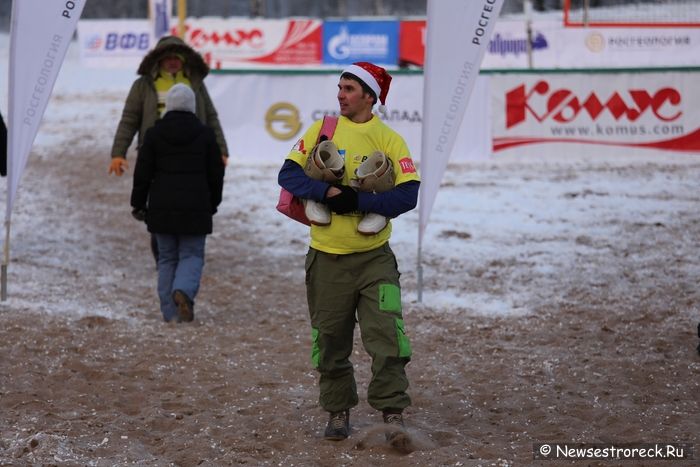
(170,62)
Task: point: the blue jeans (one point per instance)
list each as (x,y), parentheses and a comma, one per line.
(180,265)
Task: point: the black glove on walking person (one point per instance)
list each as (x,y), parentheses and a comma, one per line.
(344,202)
(139,214)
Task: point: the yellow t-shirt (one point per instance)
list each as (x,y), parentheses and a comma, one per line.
(164,82)
(355,141)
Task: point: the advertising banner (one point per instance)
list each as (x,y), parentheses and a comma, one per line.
(412,43)
(554,46)
(507,47)
(631,111)
(39,39)
(449,81)
(114,43)
(240,43)
(263,115)
(40,34)
(346,42)
(232,43)
(628,47)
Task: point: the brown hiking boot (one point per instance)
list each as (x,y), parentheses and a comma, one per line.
(396,434)
(338,427)
(184,306)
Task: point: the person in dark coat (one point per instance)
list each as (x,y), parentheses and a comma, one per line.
(171,61)
(178,184)
(3,147)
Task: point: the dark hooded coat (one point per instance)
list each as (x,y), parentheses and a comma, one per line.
(3,147)
(179,176)
(141,108)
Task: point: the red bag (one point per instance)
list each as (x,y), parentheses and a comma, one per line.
(290,205)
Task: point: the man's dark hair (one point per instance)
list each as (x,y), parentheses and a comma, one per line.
(366,89)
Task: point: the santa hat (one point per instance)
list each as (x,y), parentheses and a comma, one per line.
(373,76)
(180,97)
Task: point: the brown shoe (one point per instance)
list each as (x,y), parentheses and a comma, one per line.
(184,306)
(396,434)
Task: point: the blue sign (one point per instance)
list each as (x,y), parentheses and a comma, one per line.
(118,41)
(503,46)
(346,42)
(126,41)
(161,17)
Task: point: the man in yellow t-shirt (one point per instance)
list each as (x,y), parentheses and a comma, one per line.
(354,276)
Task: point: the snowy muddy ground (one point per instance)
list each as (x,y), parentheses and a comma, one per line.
(561,303)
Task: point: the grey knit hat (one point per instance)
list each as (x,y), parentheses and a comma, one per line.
(180,97)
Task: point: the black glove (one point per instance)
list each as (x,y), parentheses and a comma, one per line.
(139,214)
(344,202)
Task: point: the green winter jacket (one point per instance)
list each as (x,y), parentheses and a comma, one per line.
(141,107)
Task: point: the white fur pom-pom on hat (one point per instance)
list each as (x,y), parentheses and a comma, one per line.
(180,97)
(375,77)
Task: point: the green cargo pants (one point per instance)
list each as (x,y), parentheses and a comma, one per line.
(362,287)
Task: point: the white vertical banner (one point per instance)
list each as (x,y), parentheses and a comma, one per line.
(458,33)
(159,12)
(39,37)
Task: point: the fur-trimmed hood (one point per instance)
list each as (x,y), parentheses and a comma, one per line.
(194,66)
